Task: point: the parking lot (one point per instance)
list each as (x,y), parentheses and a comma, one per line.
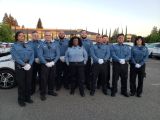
(98,107)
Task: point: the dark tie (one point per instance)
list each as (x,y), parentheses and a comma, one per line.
(24,45)
(48,45)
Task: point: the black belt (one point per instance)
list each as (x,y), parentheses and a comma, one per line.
(76,63)
(49,60)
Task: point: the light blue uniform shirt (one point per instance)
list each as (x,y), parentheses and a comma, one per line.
(76,54)
(34,44)
(139,55)
(22,54)
(49,51)
(63,45)
(87,44)
(120,51)
(100,51)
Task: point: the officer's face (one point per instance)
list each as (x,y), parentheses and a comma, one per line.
(35,36)
(120,39)
(105,39)
(48,36)
(99,39)
(61,35)
(75,42)
(84,34)
(21,37)
(139,42)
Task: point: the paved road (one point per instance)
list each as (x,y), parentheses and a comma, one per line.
(98,107)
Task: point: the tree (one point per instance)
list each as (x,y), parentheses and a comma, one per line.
(9,20)
(5,19)
(126,33)
(102,31)
(39,24)
(6,34)
(154,35)
(106,32)
(154,30)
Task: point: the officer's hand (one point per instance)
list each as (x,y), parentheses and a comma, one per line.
(52,63)
(122,61)
(137,65)
(27,67)
(48,64)
(100,61)
(37,60)
(62,58)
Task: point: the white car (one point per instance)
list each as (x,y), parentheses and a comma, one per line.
(7,71)
(154,49)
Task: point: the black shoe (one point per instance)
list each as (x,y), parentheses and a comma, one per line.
(139,95)
(72,92)
(105,92)
(82,94)
(132,94)
(125,94)
(92,93)
(113,94)
(43,97)
(29,101)
(22,103)
(52,93)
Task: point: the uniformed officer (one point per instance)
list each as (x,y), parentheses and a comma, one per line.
(99,83)
(62,68)
(87,44)
(139,55)
(120,56)
(100,54)
(49,54)
(23,56)
(76,57)
(36,64)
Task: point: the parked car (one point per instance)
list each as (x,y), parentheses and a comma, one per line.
(7,71)
(156,50)
(153,49)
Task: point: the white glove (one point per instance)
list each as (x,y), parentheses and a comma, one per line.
(27,67)
(37,60)
(122,61)
(52,63)
(62,58)
(100,61)
(48,64)
(137,65)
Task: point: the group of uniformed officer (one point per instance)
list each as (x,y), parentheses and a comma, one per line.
(75,63)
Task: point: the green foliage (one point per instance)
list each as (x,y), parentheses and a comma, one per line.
(39,24)
(154,36)
(6,34)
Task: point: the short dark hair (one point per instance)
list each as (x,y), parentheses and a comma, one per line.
(34,32)
(72,39)
(104,36)
(16,35)
(121,34)
(137,38)
(83,30)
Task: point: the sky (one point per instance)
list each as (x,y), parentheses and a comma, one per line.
(140,16)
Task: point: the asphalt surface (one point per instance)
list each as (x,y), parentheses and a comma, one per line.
(98,107)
